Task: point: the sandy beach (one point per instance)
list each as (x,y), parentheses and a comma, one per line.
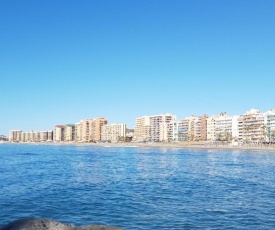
(180,145)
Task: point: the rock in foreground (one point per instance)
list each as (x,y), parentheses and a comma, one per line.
(45,224)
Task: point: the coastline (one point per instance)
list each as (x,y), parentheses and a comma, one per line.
(179,145)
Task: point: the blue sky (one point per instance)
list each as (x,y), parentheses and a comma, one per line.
(62,60)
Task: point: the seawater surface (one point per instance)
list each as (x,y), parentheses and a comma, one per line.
(138,188)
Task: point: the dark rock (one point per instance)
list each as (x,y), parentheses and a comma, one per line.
(45,224)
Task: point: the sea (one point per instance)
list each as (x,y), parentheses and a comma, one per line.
(138,188)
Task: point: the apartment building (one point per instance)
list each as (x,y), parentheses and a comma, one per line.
(85,129)
(141,130)
(69,132)
(194,128)
(178,130)
(33,136)
(253,126)
(211,124)
(223,127)
(219,127)
(98,123)
(270,125)
(153,128)
(91,129)
(237,128)
(50,136)
(59,133)
(158,130)
(43,136)
(203,128)
(113,132)
(15,135)
(78,132)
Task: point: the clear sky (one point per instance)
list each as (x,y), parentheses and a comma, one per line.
(65,60)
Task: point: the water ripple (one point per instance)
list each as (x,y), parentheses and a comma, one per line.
(139,188)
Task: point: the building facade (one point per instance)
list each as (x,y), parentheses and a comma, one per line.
(158,130)
(59,133)
(113,132)
(15,135)
(91,129)
(69,133)
(254,126)
(141,130)
(270,125)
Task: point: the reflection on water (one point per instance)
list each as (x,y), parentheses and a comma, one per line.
(139,188)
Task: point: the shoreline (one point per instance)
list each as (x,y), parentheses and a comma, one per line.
(152,145)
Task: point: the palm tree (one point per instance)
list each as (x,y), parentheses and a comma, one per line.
(264,132)
(228,136)
(247,128)
(219,137)
(180,135)
(272,135)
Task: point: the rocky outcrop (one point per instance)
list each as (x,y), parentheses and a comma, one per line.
(45,224)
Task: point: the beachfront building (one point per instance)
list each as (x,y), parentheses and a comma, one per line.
(211,124)
(254,129)
(34,136)
(78,132)
(237,128)
(85,129)
(141,130)
(50,136)
(59,133)
(69,132)
(219,127)
(270,125)
(113,132)
(30,137)
(153,128)
(158,130)
(178,130)
(194,128)
(203,128)
(15,135)
(98,123)
(43,136)
(223,127)
(91,129)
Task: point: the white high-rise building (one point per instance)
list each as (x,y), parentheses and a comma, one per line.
(153,128)
(237,128)
(113,132)
(158,127)
(178,130)
(254,126)
(219,128)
